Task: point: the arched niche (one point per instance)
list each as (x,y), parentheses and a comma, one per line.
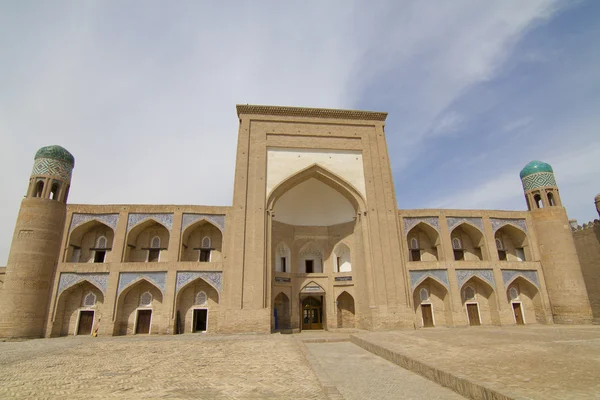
(342,258)
(69,305)
(475,291)
(283,257)
(467,243)
(140,240)
(189,299)
(434,296)
(282,314)
(346,315)
(310,258)
(526,295)
(90,242)
(202,241)
(423,243)
(129,303)
(512,244)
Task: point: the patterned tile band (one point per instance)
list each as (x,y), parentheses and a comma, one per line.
(509,275)
(498,223)
(440,275)
(453,221)
(411,222)
(164,219)
(212,278)
(487,275)
(68,279)
(49,166)
(217,220)
(157,278)
(107,219)
(541,179)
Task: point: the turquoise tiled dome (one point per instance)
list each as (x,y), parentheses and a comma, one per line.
(534,167)
(55,153)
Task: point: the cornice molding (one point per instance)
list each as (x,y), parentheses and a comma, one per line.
(310,112)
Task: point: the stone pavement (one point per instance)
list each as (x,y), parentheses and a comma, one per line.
(152,367)
(360,375)
(521,362)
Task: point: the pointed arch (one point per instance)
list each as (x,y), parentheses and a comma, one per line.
(281,312)
(427,240)
(139,240)
(515,243)
(127,305)
(529,300)
(84,239)
(312,287)
(429,276)
(438,304)
(123,291)
(68,304)
(325,176)
(471,239)
(346,313)
(193,242)
(186,302)
(283,255)
(485,301)
(343,257)
(310,258)
(194,282)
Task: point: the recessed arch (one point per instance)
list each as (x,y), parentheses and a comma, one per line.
(194,244)
(84,239)
(436,310)
(68,304)
(343,257)
(139,241)
(186,306)
(427,241)
(282,312)
(193,282)
(346,314)
(515,243)
(127,305)
(484,306)
(428,276)
(283,255)
(471,239)
(528,305)
(325,176)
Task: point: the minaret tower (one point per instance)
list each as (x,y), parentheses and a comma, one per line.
(36,245)
(564,280)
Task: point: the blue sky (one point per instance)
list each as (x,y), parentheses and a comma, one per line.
(144,96)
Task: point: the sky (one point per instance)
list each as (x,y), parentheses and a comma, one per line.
(143,93)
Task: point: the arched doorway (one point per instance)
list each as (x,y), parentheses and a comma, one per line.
(312,313)
(137,307)
(479,300)
(525,301)
(76,310)
(197,307)
(345,311)
(432,304)
(281,312)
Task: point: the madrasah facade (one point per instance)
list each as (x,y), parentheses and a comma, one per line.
(312,240)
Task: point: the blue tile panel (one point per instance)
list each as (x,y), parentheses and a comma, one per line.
(440,275)
(509,275)
(217,220)
(136,218)
(157,278)
(70,279)
(108,219)
(454,221)
(498,223)
(411,222)
(487,275)
(541,179)
(213,278)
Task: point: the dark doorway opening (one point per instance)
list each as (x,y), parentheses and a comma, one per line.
(143,321)
(200,320)
(427,315)
(473,314)
(86,321)
(309,266)
(518,313)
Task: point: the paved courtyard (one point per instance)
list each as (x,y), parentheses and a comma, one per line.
(523,362)
(152,367)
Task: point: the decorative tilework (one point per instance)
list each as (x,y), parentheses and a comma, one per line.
(69,279)
(440,275)
(217,220)
(410,222)
(487,275)
(212,278)
(541,179)
(108,219)
(454,221)
(55,152)
(48,166)
(498,223)
(509,275)
(158,278)
(164,219)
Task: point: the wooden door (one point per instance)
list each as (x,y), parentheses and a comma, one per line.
(143,321)
(427,315)
(86,321)
(200,320)
(473,314)
(518,313)
(312,314)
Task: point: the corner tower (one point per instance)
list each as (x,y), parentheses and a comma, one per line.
(564,280)
(36,245)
